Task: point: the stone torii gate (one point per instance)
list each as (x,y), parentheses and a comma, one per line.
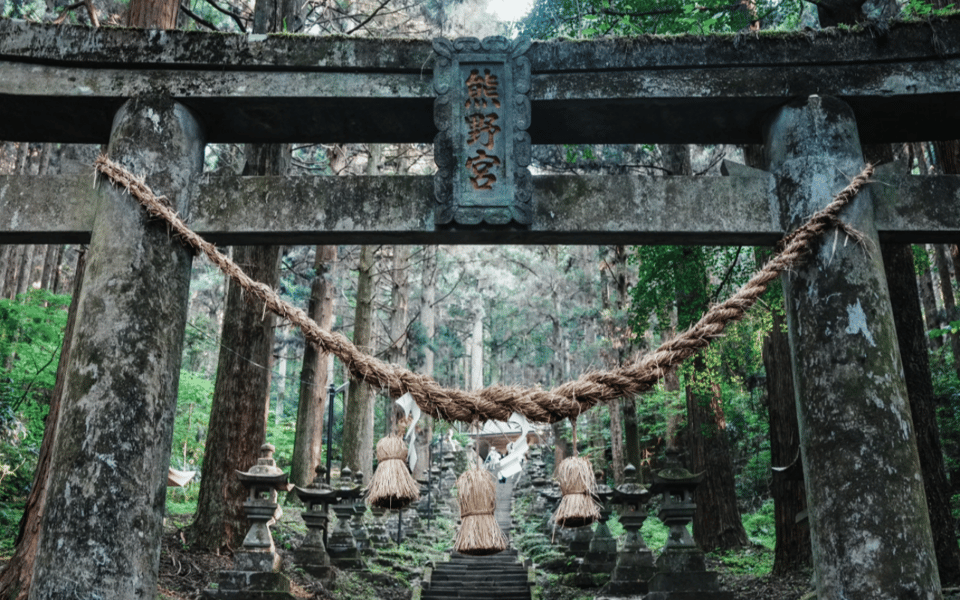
(157,97)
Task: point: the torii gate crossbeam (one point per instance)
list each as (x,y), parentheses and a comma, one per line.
(159,96)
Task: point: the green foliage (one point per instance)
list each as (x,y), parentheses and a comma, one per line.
(922,9)
(194,399)
(593,18)
(654,533)
(31,333)
(10,513)
(760,526)
(351,585)
(752,561)
(953,327)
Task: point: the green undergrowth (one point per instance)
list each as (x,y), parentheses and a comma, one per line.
(9,524)
(753,560)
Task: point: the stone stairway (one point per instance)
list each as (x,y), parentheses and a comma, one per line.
(496,577)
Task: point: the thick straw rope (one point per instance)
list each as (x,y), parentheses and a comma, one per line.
(499,402)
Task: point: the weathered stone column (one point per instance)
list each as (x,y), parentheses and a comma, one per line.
(868,519)
(101,530)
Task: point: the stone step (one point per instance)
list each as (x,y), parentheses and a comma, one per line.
(477,595)
(499,578)
(474,592)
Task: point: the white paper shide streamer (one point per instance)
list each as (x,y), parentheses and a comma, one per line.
(411,411)
(513,462)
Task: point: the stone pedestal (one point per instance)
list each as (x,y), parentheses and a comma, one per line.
(341,545)
(256,568)
(251,585)
(312,555)
(682,575)
(360,532)
(681,569)
(578,540)
(634,563)
(601,557)
(378,528)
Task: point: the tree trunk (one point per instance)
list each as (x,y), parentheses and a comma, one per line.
(238,415)
(399,313)
(614,409)
(17,575)
(25,271)
(901,281)
(13,271)
(154,14)
(792,553)
(631,436)
(281,385)
(949,303)
(476,351)
(50,260)
(929,302)
(308,443)
(58,280)
(616,440)
(716,524)
(237,426)
(358,418)
(427,319)
(6,257)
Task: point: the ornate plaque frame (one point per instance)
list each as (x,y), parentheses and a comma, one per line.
(482,149)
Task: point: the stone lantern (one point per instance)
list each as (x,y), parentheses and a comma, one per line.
(601,556)
(312,555)
(635,564)
(678,507)
(360,532)
(257,565)
(681,569)
(342,546)
(263,480)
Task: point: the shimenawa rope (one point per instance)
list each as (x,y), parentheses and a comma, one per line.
(499,402)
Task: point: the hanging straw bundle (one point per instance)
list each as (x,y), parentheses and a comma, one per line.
(577,507)
(480,534)
(392,485)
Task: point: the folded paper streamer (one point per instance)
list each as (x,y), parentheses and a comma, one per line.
(513,462)
(412,412)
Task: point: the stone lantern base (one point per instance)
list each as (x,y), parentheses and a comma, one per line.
(682,575)
(251,585)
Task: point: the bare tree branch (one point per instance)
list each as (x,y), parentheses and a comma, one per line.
(198,18)
(238,19)
(370,18)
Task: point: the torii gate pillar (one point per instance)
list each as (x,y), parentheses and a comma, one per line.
(868,518)
(104,512)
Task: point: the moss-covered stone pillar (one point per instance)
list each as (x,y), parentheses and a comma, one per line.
(102,526)
(868,519)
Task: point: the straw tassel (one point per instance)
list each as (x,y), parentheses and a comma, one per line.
(392,485)
(577,506)
(479,534)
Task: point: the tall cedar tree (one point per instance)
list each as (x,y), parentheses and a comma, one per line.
(717,523)
(308,439)
(792,552)
(238,414)
(17,575)
(358,414)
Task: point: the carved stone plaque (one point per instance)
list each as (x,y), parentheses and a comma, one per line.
(482,149)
